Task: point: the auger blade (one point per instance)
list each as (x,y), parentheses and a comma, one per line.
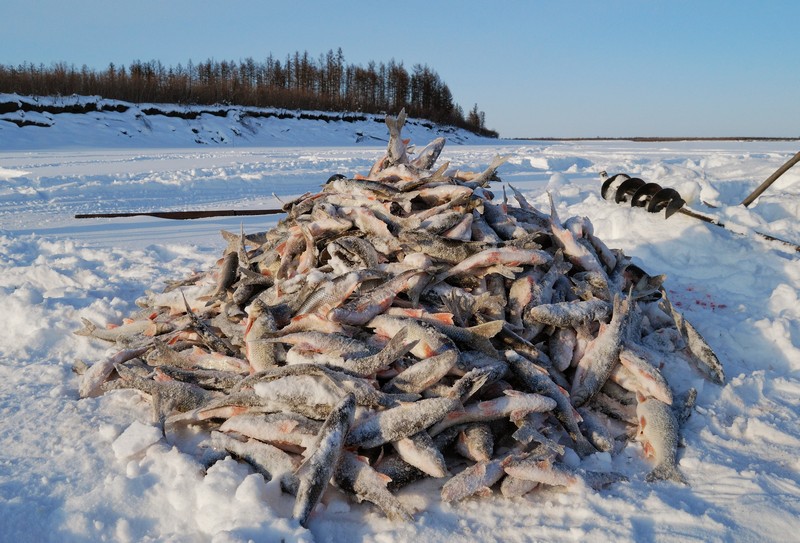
(644,193)
(614,179)
(668,199)
(628,187)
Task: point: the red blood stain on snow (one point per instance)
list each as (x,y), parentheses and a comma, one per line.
(705,301)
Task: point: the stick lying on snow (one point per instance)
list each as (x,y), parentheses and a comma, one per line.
(183,215)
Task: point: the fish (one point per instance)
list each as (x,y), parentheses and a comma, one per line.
(269,461)
(475,442)
(97,374)
(595,430)
(315,473)
(126,333)
(426,158)
(658,433)
(513,404)
(476,479)
(365,366)
(167,396)
(543,471)
(423,373)
(374,302)
(537,380)
(227,275)
(648,379)
(578,253)
(396,150)
(260,325)
(601,355)
(355,476)
(398,422)
(512,487)
(223,381)
(697,349)
(570,314)
(420,451)
(496,259)
(430,341)
(287,431)
(489,174)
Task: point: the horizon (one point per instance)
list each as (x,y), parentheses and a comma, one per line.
(578,69)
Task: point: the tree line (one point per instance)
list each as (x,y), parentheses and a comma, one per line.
(326,83)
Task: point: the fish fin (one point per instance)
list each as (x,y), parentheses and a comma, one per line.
(487,329)
(598,480)
(554,220)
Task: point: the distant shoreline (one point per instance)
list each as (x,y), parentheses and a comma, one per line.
(664,139)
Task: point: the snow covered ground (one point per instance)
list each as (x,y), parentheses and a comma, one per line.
(93,469)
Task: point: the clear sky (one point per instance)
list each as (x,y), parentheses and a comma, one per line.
(536,68)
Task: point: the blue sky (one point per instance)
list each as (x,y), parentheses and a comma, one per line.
(536,68)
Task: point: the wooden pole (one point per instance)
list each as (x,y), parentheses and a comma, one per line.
(183,215)
(771,179)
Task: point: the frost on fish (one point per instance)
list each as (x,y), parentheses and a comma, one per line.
(475,480)
(658,432)
(399,422)
(409,317)
(354,475)
(315,473)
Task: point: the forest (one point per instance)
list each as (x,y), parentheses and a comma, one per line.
(299,81)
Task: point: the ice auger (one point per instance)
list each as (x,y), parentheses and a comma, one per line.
(653,197)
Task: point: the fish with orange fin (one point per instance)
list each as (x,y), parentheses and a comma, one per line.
(658,433)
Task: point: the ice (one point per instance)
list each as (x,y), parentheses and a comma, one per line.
(78,469)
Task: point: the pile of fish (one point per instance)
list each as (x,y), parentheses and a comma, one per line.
(403,325)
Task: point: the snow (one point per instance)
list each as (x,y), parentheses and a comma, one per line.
(135,439)
(95,469)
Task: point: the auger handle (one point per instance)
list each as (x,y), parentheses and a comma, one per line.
(771,179)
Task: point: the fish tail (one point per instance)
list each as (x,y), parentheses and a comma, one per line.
(666,472)
(487,329)
(88,328)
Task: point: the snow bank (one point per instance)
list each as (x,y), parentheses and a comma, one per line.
(91,121)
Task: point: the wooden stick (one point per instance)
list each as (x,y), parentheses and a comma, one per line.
(771,179)
(717,222)
(184,215)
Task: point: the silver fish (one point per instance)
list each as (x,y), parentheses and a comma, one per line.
(475,480)
(269,461)
(423,374)
(420,451)
(314,474)
(475,442)
(544,471)
(260,324)
(124,333)
(564,314)
(429,155)
(513,404)
(397,147)
(399,422)
(354,475)
(658,432)
(287,431)
(537,380)
(601,356)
